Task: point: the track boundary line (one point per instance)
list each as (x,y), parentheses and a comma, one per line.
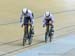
(37,35)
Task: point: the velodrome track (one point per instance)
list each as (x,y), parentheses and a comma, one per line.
(14,47)
(11,33)
(17,49)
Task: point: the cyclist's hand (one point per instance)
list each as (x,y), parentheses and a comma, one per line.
(22,25)
(43,25)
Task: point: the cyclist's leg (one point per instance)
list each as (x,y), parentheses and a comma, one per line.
(51,32)
(32,26)
(24,37)
(46,33)
(30,35)
(52,27)
(25,29)
(32,30)
(29,31)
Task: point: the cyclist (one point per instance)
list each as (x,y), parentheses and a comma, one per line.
(26,20)
(48,19)
(27,15)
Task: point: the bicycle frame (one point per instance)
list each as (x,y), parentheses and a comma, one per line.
(27,34)
(48,32)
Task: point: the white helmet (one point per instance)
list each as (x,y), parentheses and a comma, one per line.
(25,10)
(47,13)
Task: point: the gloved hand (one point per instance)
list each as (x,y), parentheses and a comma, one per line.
(43,25)
(21,24)
(20,20)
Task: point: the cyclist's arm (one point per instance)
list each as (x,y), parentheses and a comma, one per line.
(52,19)
(32,19)
(21,17)
(44,21)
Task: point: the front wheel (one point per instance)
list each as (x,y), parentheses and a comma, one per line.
(50,35)
(46,38)
(30,39)
(50,38)
(24,41)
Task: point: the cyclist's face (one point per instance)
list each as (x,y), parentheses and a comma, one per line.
(47,16)
(26,13)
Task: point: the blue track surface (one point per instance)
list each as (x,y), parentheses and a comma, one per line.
(56,48)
